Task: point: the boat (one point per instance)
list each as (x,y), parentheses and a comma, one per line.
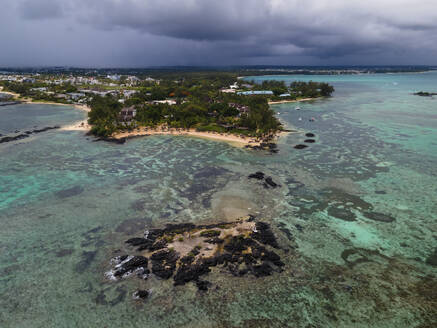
(297,108)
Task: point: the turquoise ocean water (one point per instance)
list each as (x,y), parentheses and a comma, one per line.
(356,216)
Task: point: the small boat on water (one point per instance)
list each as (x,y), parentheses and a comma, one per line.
(297,108)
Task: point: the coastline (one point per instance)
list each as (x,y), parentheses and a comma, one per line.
(81,125)
(16,95)
(234,140)
(229,138)
(291,101)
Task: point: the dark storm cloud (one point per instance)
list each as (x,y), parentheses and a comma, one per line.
(244,31)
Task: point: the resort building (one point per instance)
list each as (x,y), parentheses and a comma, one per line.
(252,93)
(128,113)
(228,90)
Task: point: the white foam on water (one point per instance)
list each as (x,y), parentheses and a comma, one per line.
(117,264)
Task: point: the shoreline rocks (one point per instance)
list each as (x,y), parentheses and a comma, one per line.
(269,146)
(27,134)
(268,181)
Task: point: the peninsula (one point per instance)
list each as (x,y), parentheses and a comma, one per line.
(218,105)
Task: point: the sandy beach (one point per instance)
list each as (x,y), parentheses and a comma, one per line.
(238,141)
(290,101)
(16,95)
(229,138)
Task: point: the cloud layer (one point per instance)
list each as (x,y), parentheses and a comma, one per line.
(156,32)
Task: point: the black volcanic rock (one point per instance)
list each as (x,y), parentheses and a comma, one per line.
(136,241)
(262,270)
(164,263)
(257,175)
(270,183)
(9,139)
(202,285)
(265,235)
(247,252)
(141,294)
(131,265)
(187,273)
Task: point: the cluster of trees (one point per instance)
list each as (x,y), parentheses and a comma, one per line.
(215,114)
(312,89)
(296,89)
(104,115)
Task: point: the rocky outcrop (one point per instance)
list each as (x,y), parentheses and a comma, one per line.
(130,264)
(245,253)
(268,181)
(269,146)
(27,134)
(257,175)
(425,94)
(141,294)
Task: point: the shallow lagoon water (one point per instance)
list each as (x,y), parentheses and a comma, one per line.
(67,204)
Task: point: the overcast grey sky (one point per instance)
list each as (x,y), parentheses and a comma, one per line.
(138,33)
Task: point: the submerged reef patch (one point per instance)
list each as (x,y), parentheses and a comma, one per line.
(187,252)
(380,217)
(70,192)
(342,214)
